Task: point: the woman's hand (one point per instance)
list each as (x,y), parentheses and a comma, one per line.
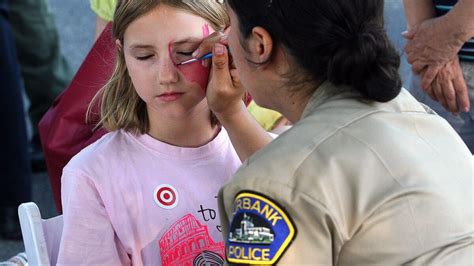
(224,90)
(449,88)
(434,42)
(225,98)
(208,44)
(432,48)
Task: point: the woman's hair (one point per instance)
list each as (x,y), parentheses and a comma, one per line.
(342,41)
(120,105)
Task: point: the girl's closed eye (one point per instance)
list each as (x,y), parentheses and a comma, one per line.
(185,53)
(144,57)
(181,56)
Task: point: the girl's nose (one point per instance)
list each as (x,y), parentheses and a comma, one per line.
(167,72)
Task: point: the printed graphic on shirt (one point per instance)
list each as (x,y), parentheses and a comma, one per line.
(260,230)
(188,242)
(166,196)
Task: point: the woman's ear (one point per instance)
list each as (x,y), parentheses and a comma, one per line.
(118,45)
(260,45)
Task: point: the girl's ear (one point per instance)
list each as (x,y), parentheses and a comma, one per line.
(118,45)
(260,45)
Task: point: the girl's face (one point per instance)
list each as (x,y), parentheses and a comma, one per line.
(153,45)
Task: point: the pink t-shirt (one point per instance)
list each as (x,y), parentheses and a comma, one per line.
(131,199)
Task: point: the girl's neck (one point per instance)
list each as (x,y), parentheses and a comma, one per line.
(192,131)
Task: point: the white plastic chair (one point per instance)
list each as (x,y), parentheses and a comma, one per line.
(40,237)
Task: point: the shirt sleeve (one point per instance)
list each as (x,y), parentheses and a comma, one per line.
(103,8)
(88,236)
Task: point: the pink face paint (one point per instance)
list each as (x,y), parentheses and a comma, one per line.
(171,52)
(205,31)
(194,72)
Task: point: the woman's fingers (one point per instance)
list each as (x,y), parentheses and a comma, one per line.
(208,44)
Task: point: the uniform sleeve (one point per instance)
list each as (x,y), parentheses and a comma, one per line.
(274,208)
(88,237)
(103,8)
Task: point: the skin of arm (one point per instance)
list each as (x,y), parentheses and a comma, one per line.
(417,11)
(246,134)
(436,41)
(437,61)
(224,96)
(464,10)
(100,24)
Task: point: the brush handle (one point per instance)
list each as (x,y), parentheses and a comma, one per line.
(206,56)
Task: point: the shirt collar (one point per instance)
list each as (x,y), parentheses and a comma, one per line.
(325,91)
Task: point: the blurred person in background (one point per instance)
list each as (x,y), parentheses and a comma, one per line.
(440,48)
(15,175)
(44,70)
(104,9)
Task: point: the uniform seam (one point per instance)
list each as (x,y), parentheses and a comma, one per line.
(377,155)
(317,145)
(322,141)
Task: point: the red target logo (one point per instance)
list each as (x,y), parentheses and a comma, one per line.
(166,196)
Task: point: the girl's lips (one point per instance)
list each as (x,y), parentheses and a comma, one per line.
(170,97)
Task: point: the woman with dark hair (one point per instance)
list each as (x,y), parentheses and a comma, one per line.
(366,175)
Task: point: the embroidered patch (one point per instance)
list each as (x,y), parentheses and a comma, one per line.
(260,230)
(166,196)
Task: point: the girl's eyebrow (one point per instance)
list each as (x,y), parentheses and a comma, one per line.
(177,42)
(141,46)
(187,40)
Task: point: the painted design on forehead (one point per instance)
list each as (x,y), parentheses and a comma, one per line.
(195,72)
(205,31)
(171,52)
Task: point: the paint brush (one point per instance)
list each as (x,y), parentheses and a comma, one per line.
(204,57)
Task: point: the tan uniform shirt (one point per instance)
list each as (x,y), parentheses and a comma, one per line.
(354,183)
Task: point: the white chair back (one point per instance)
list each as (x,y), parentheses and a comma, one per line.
(40,237)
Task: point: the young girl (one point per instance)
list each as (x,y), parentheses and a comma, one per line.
(145,193)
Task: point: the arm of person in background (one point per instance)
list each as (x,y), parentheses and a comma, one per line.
(104,9)
(436,60)
(449,87)
(436,41)
(224,96)
(100,24)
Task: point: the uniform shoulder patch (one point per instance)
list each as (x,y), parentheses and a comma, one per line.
(259,232)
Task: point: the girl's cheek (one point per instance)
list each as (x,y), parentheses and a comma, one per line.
(195,73)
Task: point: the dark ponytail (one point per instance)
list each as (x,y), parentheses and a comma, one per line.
(342,41)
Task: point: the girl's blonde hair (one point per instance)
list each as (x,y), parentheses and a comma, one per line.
(120,105)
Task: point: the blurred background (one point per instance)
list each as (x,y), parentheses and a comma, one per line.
(75,22)
(76,26)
